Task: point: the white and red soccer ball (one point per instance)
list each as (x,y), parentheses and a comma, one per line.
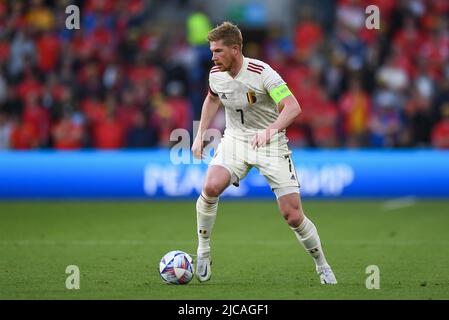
(176,267)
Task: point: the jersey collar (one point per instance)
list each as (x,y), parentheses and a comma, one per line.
(243,68)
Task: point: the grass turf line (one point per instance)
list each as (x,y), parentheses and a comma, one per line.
(118,245)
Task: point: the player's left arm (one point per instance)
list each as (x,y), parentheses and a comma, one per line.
(290,109)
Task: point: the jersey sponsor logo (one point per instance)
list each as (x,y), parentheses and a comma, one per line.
(251,97)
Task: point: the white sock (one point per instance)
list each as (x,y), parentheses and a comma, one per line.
(206,212)
(308,237)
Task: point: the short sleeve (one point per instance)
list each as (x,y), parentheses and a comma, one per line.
(212,77)
(212,92)
(271,79)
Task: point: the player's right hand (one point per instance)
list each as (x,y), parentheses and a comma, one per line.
(197,148)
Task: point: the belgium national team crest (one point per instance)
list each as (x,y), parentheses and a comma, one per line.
(251,96)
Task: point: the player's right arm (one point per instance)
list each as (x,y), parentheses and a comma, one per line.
(210,108)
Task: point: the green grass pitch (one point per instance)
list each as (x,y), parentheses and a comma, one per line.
(117,247)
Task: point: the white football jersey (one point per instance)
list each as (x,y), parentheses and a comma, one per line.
(246,98)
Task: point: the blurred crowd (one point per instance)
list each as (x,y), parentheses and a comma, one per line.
(124,81)
(363,87)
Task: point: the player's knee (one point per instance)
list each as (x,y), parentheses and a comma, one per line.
(212,189)
(291,214)
(293,219)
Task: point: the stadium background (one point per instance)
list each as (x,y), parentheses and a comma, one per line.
(87,115)
(138,69)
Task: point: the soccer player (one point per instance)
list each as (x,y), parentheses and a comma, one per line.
(259,107)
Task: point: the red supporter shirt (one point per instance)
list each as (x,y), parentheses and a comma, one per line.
(23,137)
(324,121)
(67,135)
(29,86)
(126,116)
(440,135)
(356,110)
(39,118)
(4,50)
(180,112)
(47,52)
(109,134)
(95,111)
(307,35)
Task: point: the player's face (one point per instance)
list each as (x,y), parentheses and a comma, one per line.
(223,56)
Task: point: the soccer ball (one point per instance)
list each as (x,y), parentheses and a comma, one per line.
(176,267)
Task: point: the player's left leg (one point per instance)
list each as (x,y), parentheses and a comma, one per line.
(278,168)
(305,231)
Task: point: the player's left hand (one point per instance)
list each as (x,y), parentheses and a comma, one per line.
(262,138)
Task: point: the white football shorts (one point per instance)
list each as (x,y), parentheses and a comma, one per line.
(273,161)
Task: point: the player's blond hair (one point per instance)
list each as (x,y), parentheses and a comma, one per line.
(228,32)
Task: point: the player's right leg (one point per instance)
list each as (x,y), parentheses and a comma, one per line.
(217,180)
(305,231)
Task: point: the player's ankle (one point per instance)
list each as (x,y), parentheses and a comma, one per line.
(203,252)
(323,266)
